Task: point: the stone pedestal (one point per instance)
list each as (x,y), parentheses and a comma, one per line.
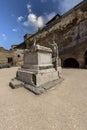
(37,71)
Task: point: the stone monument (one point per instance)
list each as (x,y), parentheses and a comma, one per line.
(38,73)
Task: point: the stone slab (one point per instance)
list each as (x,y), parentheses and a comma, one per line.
(36,90)
(14,83)
(52,84)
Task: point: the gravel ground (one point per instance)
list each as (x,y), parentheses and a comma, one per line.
(62,108)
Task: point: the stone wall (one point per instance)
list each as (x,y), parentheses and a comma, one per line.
(11,57)
(69,32)
(18,56)
(4,55)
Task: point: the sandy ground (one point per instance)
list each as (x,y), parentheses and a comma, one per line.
(62,108)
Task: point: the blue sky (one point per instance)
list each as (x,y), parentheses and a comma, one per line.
(18,17)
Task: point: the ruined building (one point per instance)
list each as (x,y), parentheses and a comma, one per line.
(13,57)
(70,33)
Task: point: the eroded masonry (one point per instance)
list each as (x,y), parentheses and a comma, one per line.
(69,32)
(40,70)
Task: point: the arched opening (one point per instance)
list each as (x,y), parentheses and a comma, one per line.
(71,63)
(85,56)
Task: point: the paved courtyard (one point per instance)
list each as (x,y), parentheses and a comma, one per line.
(62,108)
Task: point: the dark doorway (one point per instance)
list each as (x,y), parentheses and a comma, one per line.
(10,60)
(71,63)
(85,58)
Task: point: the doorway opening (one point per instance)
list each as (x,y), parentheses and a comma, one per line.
(71,63)
(10,60)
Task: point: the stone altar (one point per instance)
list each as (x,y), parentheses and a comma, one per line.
(37,73)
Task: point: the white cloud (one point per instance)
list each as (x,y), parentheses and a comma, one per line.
(4,36)
(20,18)
(66,5)
(33,20)
(29,6)
(14,30)
(38,21)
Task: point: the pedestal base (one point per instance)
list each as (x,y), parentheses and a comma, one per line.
(39,71)
(36,81)
(36,90)
(37,78)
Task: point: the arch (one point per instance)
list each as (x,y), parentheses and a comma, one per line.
(71,63)
(85,57)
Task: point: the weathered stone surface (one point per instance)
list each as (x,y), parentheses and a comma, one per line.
(45,87)
(37,78)
(38,68)
(39,59)
(11,57)
(70,32)
(36,90)
(37,74)
(16,83)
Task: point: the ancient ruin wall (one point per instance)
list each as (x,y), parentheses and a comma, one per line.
(66,29)
(69,31)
